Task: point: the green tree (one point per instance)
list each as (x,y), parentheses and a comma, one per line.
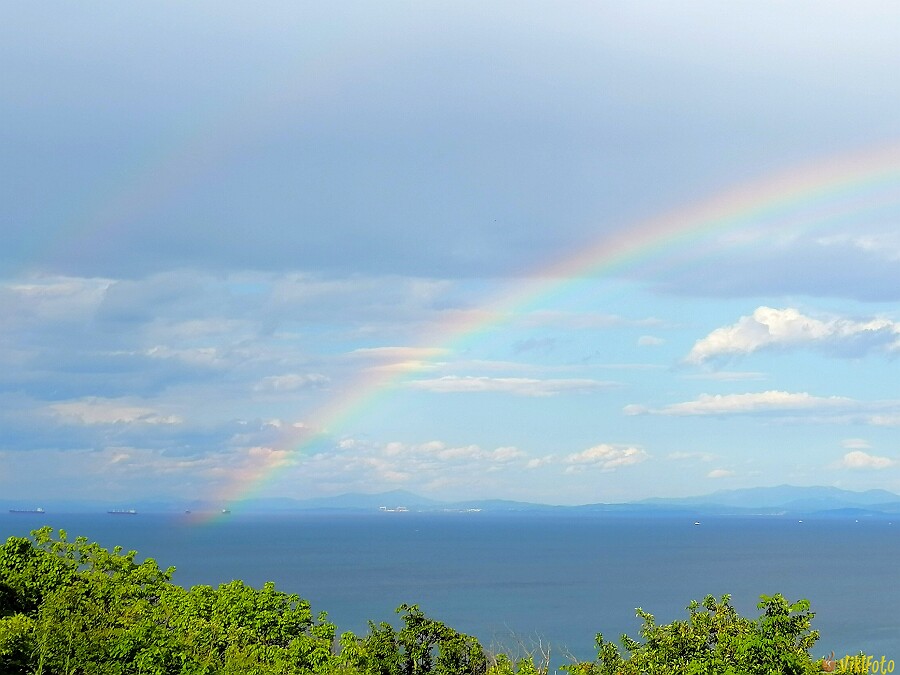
(502,664)
(238,627)
(73,607)
(423,646)
(715,640)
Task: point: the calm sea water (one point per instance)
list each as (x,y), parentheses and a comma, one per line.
(517,579)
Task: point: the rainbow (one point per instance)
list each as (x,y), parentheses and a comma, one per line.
(800,199)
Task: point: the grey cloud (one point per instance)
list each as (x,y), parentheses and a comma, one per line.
(96,424)
(372,143)
(807,265)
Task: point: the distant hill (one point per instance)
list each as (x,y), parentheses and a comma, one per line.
(778,499)
(392,500)
(351,501)
(784,496)
(791,499)
(781,499)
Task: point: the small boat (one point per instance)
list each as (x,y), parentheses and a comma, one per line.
(122,512)
(226,511)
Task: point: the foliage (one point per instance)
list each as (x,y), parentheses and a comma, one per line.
(715,640)
(423,646)
(503,665)
(75,608)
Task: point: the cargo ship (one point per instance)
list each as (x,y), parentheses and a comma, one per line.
(37,510)
(122,512)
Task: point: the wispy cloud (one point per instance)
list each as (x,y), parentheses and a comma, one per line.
(698,456)
(881,244)
(726,376)
(748,404)
(291,382)
(885,419)
(520,386)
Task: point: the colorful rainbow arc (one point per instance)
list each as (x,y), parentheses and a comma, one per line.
(847,183)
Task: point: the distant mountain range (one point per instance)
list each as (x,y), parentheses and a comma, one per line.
(787,497)
(778,500)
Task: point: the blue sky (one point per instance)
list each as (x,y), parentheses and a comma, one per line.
(295,249)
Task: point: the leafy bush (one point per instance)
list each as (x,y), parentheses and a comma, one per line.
(715,640)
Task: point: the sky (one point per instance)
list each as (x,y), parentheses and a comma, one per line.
(567,252)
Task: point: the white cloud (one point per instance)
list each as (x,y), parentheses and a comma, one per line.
(537,462)
(855,444)
(649,341)
(54,298)
(272,457)
(770,328)
(520,386)
(607,457)
(720,473)
(92,411)
(196,356)
(291,382)
(365,465)
(857,459)
(885,420)
(467,452)
(506,454)
(412,453)
(743,404)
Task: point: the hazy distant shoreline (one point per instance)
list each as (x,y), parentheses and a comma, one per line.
(783,500)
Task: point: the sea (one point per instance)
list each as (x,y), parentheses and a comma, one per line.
(530,582)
